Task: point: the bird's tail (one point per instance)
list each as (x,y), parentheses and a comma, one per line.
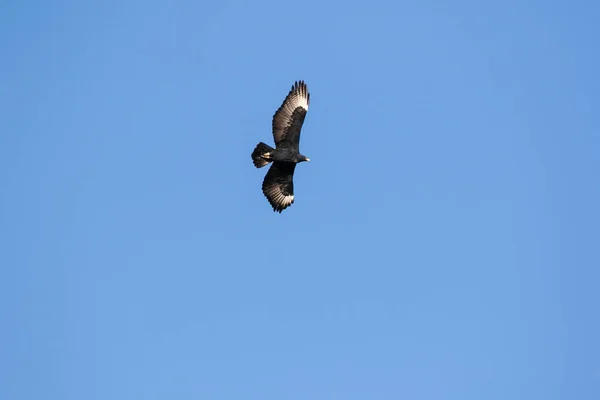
(259,150)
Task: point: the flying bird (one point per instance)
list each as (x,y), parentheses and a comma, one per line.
(278,185)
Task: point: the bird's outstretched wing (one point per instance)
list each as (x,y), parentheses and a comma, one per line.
(288,119)
(278,186)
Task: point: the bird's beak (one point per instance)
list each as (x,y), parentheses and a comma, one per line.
(307,159)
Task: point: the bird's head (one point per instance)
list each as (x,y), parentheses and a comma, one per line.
(303,158)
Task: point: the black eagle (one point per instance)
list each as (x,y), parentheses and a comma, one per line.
(278,185)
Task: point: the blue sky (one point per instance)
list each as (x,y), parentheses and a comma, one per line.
(444,239)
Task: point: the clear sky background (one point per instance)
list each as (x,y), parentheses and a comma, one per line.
(444,242)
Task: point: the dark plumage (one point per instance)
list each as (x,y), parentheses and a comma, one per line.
(278,185)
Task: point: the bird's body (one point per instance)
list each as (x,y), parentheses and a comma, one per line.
(278,185)
(283,154)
